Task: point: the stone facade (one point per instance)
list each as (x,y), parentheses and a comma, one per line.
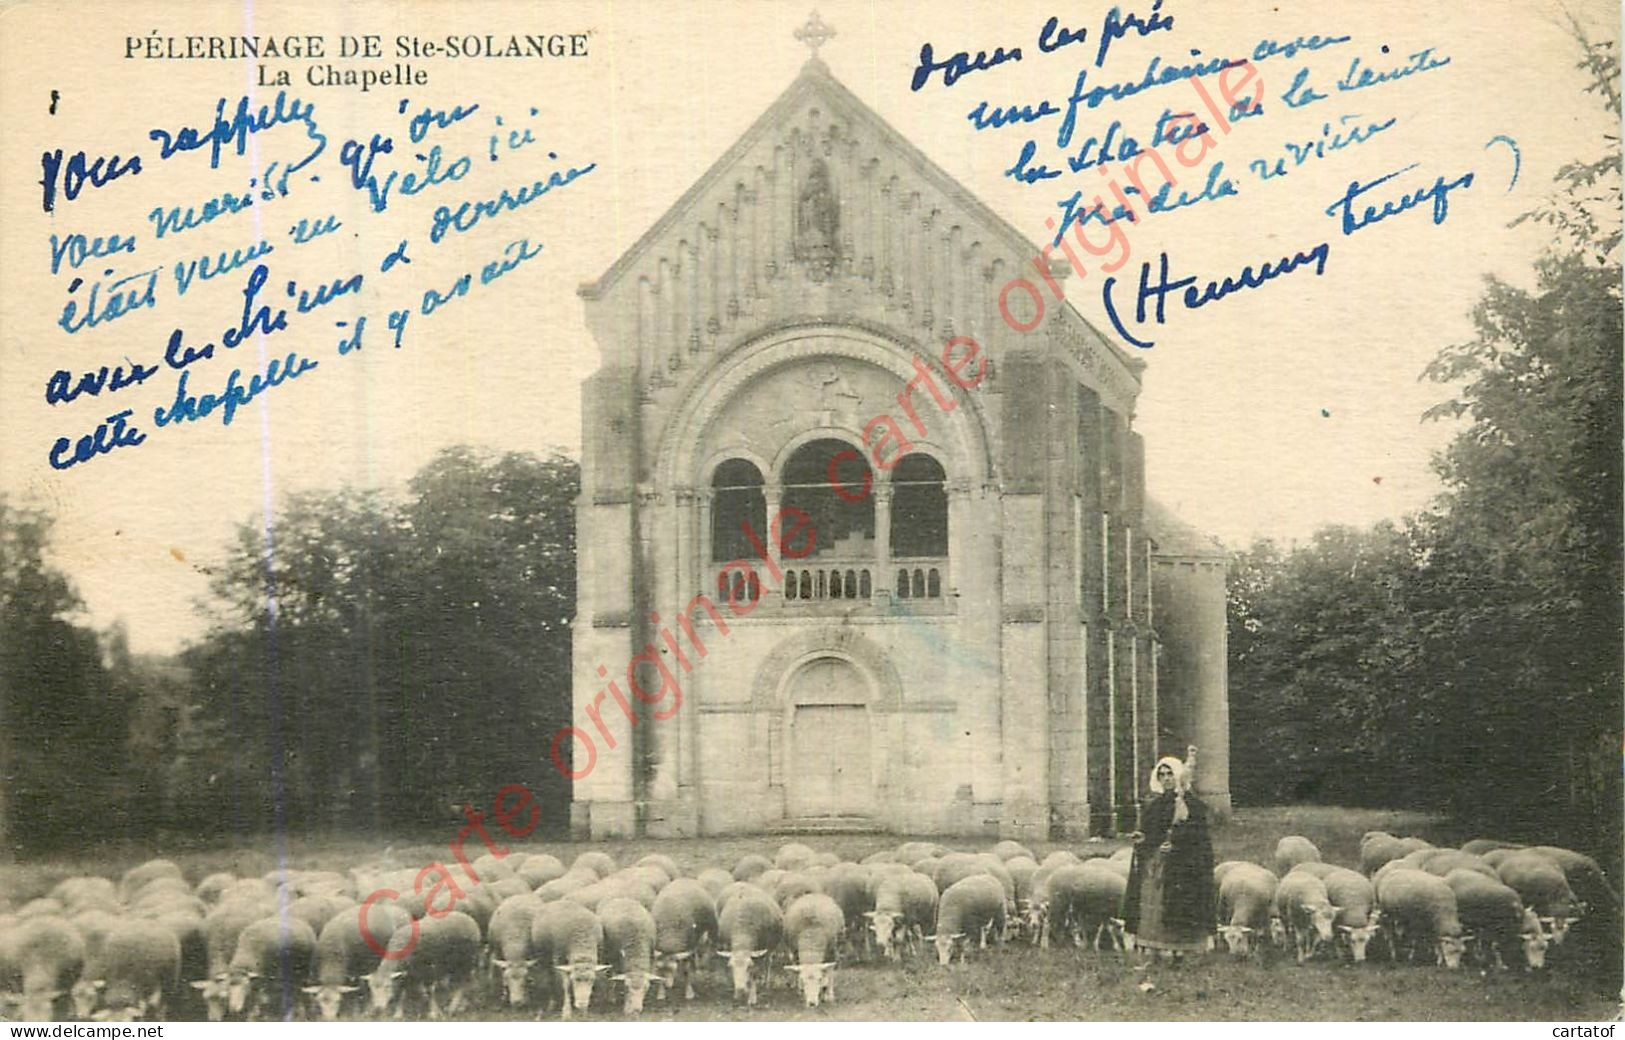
(978,636)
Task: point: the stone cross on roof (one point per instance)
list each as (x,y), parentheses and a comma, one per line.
(814,34)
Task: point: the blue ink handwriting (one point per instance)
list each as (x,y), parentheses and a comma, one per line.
(111,434)
(96,173)
(1117,25)
(76,249)
(959,65)
(1438,193)
(1212,292)
(469,213)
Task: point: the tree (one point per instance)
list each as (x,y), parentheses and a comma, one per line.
(382,662)
(1520,597)
(62,724)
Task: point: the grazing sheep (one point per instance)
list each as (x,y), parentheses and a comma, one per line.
(1585,876)
(316,911)
(221,930)
(1022,869)
(489,869)
(1418,909)
(211,888)
(48,954)
(970,907)
(82,893)
(648,874)
(1246,902)
(1315,868)
(1357,917)
(1543,887)
(537,870)
(272,952)
(734,890)
(883,856)
(1410,845)
(1292,850)
(138,877)
(793,856)
(140,968)
(751,927)
(848,885)
(442,955)
(1009,850)
(253,890)
(1479,846)
(509,937)
(1223,869)
(664,862)
(1086,902)
(685,919)
(506,889)
(793,886)
(612,888)
(560,887)
(629,943)
(715,880)
(911,851)
(188,931)
(343,958)
(812,926)
(750,865)
(1494,914)
(1376,849)
(905,906)
(1305,910)
(1059,857)
(93,926)
(599,863)
(1440,862)
(567,937)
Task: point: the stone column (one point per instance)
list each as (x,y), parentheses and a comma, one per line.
(771,495)
(884,582)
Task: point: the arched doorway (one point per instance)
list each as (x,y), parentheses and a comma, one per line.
(830,739)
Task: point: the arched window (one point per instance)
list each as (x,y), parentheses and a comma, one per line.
(919,508)
(737,500)
(839,504)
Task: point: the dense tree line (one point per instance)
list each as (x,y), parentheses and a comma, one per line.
(1470,658)
(371,664)
(381,663)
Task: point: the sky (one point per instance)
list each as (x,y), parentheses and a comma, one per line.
(1268,413)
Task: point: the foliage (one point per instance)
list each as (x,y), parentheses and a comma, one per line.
(385,663)
(1475,657)
(62,721)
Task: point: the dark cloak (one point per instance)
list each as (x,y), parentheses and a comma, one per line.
(1188,876)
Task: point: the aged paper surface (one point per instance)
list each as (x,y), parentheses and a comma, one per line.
(261,250)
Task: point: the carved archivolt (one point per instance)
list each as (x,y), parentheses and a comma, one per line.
(963,446)
(839,641)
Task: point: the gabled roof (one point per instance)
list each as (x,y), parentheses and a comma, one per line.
(814,79)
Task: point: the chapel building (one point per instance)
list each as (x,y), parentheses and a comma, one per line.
(993,632)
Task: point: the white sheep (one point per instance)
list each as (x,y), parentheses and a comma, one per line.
(972,907)
(629,944)
(1292,850)
(751,926)
(1305,910)
(812,927)
(685,919)
(1419,908)
(1246,900)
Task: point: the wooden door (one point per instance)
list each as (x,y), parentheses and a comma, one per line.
(831,768)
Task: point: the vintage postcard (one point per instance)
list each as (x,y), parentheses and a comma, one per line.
(903,510)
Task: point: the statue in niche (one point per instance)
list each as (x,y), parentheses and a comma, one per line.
(818,222)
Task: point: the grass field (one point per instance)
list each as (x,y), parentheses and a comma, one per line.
(1020,982)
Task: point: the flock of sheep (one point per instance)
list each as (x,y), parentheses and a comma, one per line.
(535,933)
